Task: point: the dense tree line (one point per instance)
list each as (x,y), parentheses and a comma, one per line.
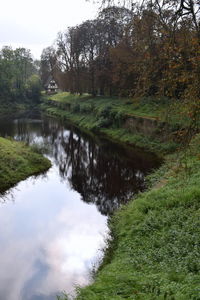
(147,49)
(19,80)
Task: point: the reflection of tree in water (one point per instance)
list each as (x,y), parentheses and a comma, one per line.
(97,172)
(103,173)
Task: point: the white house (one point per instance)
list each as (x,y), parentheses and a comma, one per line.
(51,86)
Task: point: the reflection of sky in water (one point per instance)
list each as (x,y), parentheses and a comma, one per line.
(49,239)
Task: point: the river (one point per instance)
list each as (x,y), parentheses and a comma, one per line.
(53,227)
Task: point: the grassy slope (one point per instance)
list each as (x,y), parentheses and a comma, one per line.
(155,247)
(91,114)
(155,253)
(148,108)
(17,162)
(155,108)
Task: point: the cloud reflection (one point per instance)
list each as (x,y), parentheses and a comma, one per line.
(48,244)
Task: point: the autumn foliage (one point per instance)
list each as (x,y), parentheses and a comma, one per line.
(151,49)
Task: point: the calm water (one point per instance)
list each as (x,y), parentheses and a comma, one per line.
(53,227)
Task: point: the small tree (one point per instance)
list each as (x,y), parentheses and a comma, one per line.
(34,88)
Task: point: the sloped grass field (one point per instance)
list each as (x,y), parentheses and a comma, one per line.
(17,162)
(106,115)
(164,109)
(90,123)
(150,107)
(155,248)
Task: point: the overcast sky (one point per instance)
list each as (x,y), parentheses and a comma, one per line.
(34,24)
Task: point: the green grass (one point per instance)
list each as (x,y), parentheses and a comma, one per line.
(155,247)
(17,162)
(163,109)
(141,107)
(66,97)
(139,140)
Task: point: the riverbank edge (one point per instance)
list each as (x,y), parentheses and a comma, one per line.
(19,161)
(126,271)
(118,134)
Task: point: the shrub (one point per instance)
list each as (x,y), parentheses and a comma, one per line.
(105,111)
(86,108)
(75,108)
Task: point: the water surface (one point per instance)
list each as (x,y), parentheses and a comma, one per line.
(53,226)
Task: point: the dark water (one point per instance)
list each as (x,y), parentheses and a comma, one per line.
(53,226)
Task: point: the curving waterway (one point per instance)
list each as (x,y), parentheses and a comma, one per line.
(53,226)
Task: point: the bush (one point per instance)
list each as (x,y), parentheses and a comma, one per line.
(105,111)
(75,108)
(119,118)
(103,123)
(34,87)
(86,108)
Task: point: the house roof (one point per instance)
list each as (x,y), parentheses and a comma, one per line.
(50,78)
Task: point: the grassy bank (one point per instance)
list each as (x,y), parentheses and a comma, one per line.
(150,107)
(155,247)
(106,116)
(85,103)
(17,162)
(154,251)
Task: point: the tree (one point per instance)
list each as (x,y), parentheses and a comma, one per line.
(48,64)
(149,49)
(16,67)
(34,88)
